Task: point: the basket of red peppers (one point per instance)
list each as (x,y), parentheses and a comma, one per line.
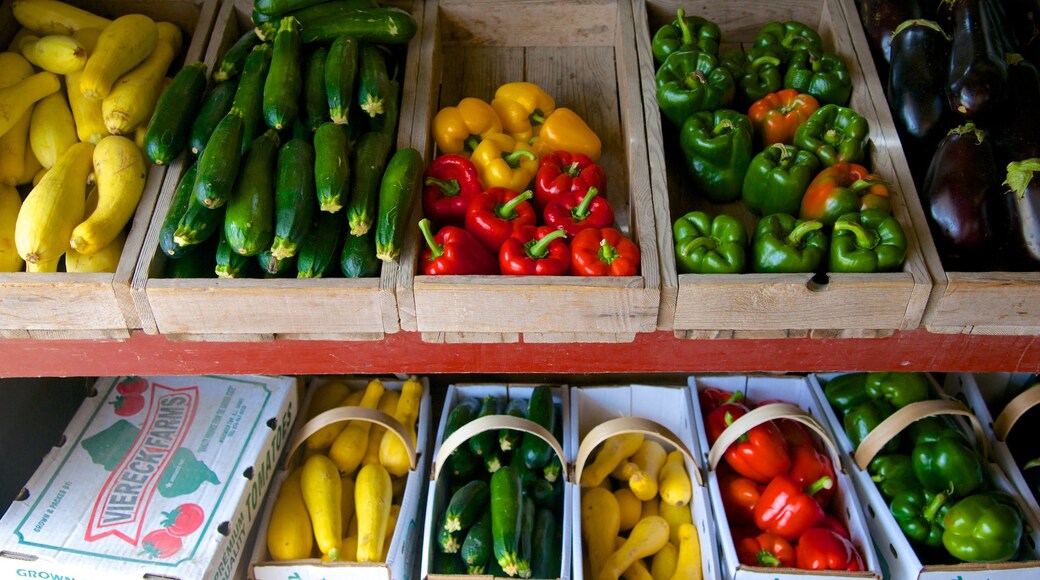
(516,190)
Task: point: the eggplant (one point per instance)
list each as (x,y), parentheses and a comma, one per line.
(1023,215)
(1023,16)
(977,75)
(880,19)
(1016,131)
(962,199)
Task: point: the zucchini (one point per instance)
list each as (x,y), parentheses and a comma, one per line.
(234,59)
(167,134)
(397,193)
(358,259)
(279,7)
(266,28)
(197,224)
(552,470)
(387,122)
(178,205)
(340,69)
(448,541)
(466,505)
(545,558)
(250,94)
(259,19)
(214,108)
(315,105)
(281,100)
(218,164)
(373,80)
(331,167)
(293,198)
(274,267)
(197,265)
(369,163)
(484,443)
(536,452)
(319,246)
(249,220)
(540,491)
(527,509)
(506,499)
(508,439)
(448,564)
(492,461)
(461,462)
(382,24)
(230,264)
(476,548)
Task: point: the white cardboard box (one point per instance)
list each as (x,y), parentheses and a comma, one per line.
(400,560)
(97,508)
(845,504)
(900,559)
(671,408)
(438,494)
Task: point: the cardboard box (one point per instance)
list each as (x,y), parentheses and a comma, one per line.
(669,407)
(400,561)
(162,476)
(439,494)
(899,556)
(845,504)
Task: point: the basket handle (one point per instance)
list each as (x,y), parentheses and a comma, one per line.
(763,414)
(896,422)
(340,414)
(622,425)
(492,423)
(1014,410)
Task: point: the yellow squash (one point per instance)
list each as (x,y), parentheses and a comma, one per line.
(676,516)
(662,567)
(105,260)
(630,507)
(88,38)
(90,123)
(14,68)
(322,495)
(46,266)
(133,96)
(650,508)
(326,396)
(688,564)
(611,453)
(323,437)
(16,99)
(349,549)
(54,207)
(53,17)
(650,459)
(372,501)
(392,453)
(391,525)
(600,524)
(646,539)
(122,45)
(10,203)
(388,405)
(120,172)
(52,130)
(289,533)
(350,445)
(347,503)
(57,53)
(624,471)
(636,570)
(674,485)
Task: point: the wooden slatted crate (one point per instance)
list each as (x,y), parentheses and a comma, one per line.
(261,310)
(583,54)
(780,305)
(64,305)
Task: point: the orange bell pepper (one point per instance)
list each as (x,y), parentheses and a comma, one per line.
(564,130)
(778,115)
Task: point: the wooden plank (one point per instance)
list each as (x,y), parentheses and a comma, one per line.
(528,23)
(589,337)
(470,337)
(88,334)
(993,299)
(244,338)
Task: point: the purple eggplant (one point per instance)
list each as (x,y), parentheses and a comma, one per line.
(977,75)
(1016,130)
(880,19)
(1023,215)
(962,198)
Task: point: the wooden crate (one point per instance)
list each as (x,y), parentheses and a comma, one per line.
(583,54)
(780,305)
(66,305)
(262,310)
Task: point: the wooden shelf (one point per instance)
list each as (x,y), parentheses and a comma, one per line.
(405,352)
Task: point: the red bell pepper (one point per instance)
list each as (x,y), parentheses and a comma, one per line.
(778,115)
(843,188)
(494,214)
(787,509)
(822,549)
(760,454)
(451,181)
(563,172)
(538,251)
(767,550)
(574,212)
(726,411)
(795,432)
(603,252)
(711,398)
(808,466)
(740,495)
(454,251)
(831,523)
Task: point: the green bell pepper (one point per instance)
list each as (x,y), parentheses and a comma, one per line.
(756,73)
(690,81)
(948,463)
(777,179)
(718,150)
(685,32)
(846,392)
(788,37)
(928,430)
(893,474)
(900,389)
(919,514)
(860,421)
(784,244)
(834,134)
(820,74)
(981,528)
(710,246)
(868,241)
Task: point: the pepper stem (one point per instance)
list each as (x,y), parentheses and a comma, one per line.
(762,61)
(697,243)
(581,212)
(607,253)
(573,170)
(736,397)
(507,210)
(801,230)
(766,558)
(864,238)
(540,249)
(471,143)
(824,482)
(723,126)
(513,159)
(934,506)
(861,184)
(436,250)
(537,117)
(1032,464)
(684,27)
(694,79)
(449,188)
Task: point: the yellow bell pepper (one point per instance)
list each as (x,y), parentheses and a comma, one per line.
(564,130)
(461,128)
(502,161)
(522,108)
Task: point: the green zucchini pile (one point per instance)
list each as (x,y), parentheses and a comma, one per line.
(294,147)
(505,514)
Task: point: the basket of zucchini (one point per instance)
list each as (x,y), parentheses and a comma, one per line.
(498,492)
